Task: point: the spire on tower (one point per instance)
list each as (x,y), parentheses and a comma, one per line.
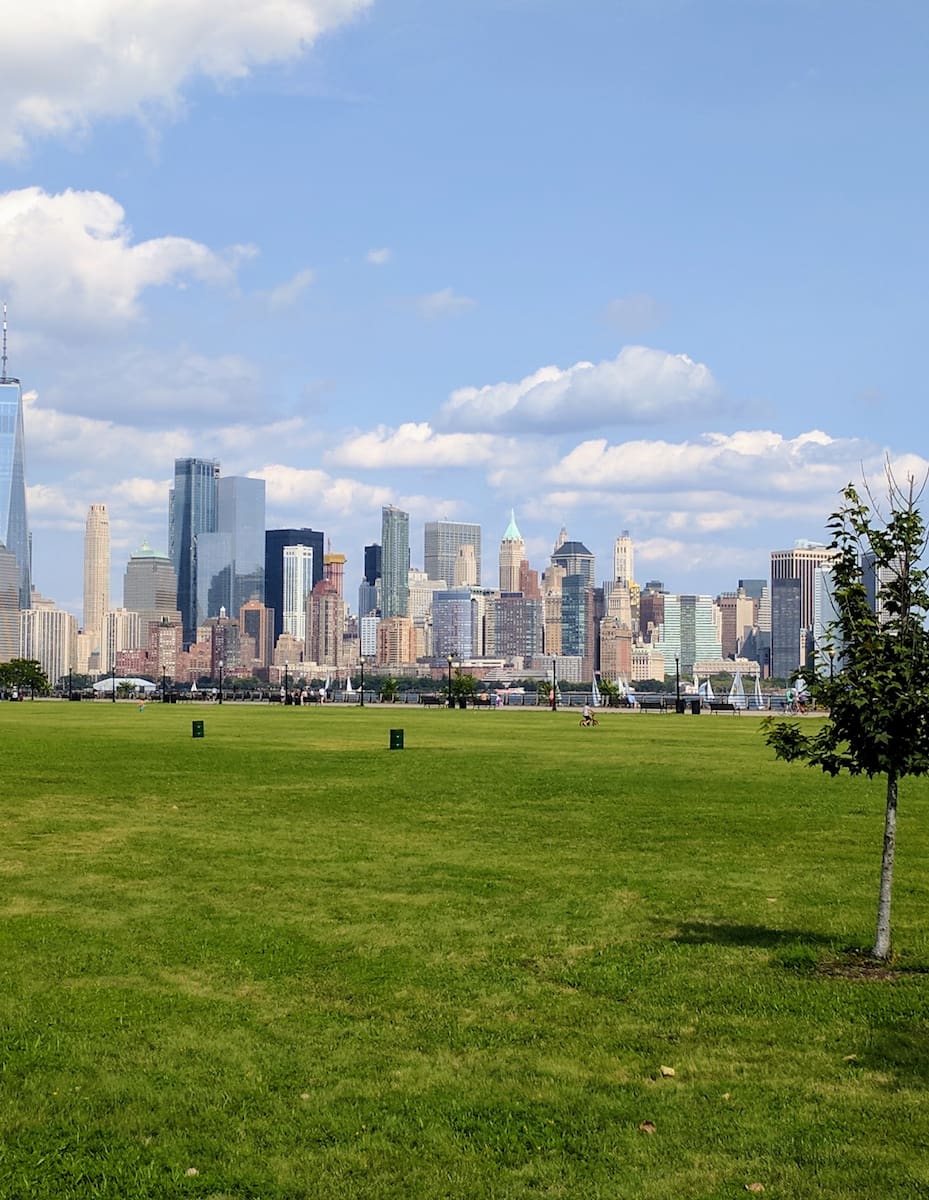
(512,533)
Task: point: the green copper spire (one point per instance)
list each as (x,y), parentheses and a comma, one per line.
(512,532)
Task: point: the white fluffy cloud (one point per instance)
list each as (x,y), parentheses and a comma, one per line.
(640,384)
(754,462)
(379,257)
(68,261)
(416,444)
(66,65)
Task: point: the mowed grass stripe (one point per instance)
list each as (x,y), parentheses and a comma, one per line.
(301,964)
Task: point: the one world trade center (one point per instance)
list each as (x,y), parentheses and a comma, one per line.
(14,524)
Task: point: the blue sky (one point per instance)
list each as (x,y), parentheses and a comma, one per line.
(654,265)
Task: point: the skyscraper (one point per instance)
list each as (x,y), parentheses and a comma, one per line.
(372,563)
(49,635)
(298,584)
(275,541)
(230,559)
(9,606)
(14,524)
(334,571)
(691,631)
(793,576)
(149,584)
(191,511)
(512,556)
(622,559)
(441,542)
(395,561)
(96,568)
(576,560)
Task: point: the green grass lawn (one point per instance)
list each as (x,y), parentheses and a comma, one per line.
(284,961)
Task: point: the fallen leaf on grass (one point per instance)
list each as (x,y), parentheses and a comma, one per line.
(191,1171)
(727,1095)
(850,1058)
(754,1187)
(668,1072)
(647,1127)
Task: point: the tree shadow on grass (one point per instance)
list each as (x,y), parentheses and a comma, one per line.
(721,933)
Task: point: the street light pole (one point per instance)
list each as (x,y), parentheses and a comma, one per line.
(70,692)
(677,683)
(554,688)
(220,681)
(362,661)
(286,681)
(113,689)
(449,681)
(164,686)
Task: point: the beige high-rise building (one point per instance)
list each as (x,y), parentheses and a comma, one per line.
(465,568)
(738,616)
(49,635)
(122,631)
(96,568)
(334,571)
(551,596)
(615,649)
(396,645)
(325,625)
(512,555)
(622,559)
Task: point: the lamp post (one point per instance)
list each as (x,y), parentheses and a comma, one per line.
(164,686)
(113,689)
(830,650)
(450,705)
(220,681)
(554,688)
(286,681)
(362,662)
(70,692)
(677,683)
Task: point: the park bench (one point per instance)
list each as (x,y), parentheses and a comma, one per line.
(722,706)
(653,704)
(433,701)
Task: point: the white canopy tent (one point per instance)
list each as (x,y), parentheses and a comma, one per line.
(110,684)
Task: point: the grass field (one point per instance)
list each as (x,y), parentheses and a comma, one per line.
(285,962)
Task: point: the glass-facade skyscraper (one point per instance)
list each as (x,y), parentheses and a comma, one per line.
(441,542)
(395,562)
(14,524)
(192,510)
(230,559)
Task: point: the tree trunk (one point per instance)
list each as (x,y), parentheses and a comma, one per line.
(882,941)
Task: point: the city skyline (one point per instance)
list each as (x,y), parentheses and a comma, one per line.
(650,270)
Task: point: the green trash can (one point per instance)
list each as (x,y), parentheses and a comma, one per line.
(396,739)
(197,729)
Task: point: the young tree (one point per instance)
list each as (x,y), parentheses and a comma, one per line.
(878,699)
(463,684)
(609,692)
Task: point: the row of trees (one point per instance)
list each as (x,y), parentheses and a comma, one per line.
(24,674)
